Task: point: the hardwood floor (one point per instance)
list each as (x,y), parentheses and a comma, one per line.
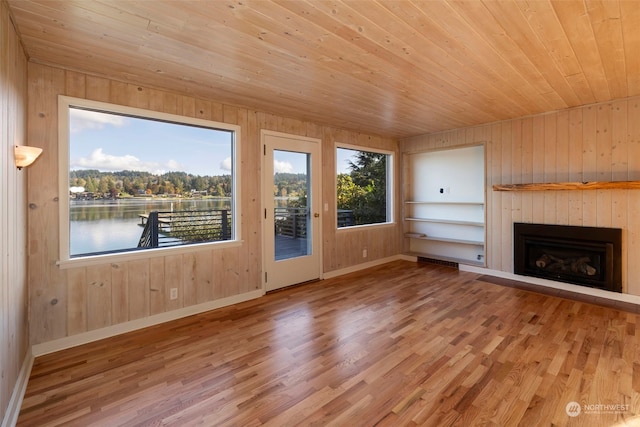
(397,345)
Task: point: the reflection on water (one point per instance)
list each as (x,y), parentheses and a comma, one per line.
(108,225)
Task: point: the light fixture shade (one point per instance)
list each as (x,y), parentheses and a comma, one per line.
(25,155)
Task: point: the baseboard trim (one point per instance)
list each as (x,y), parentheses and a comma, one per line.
(15,403)
(614,296)
(110,331)
(365,265)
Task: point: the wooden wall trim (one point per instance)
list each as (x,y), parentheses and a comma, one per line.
(363,266)
(20,388)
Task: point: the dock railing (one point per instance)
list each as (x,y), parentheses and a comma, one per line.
(162,229)
(346,218)
(291,222)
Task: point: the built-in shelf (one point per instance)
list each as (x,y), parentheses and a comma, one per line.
(448,240)
(447,221)
(443,207)
(549,186)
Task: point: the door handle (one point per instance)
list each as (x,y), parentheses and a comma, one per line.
(316,215)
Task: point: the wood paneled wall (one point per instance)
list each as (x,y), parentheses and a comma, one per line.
(13,216)
(65,302)
(598,142)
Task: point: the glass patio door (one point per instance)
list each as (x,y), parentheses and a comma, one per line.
(291,199)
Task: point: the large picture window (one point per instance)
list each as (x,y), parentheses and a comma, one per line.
(137,180)
(363,186)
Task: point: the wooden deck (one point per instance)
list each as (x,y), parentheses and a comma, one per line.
(290,247)
(402,344)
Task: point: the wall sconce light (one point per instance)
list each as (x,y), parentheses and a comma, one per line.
(25,155)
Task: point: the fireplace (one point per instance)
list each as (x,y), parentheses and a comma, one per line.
(587,256)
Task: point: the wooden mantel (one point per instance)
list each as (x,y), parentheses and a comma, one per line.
(547,186)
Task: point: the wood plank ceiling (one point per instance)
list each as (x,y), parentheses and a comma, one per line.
(394,68)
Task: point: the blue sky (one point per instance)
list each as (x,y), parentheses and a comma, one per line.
(343,156)
(284,161)
(109,142)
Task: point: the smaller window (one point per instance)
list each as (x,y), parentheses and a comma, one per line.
(363,186)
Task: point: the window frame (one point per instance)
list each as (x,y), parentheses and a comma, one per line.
(390,185)
(65,260)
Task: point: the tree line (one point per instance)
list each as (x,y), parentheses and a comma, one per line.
(135,183)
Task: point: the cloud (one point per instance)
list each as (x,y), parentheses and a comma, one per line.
(84,119)
(225,165)
(174,165)
(108,162)
(282,167)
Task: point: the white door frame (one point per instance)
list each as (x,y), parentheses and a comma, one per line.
(282,277)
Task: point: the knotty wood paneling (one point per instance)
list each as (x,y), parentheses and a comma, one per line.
(48,284)
(13,206)
(590,143)
(65,302)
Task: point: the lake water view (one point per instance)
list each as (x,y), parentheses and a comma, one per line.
(98,226)
(107,225)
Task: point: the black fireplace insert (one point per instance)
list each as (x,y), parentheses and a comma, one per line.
(587,256)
